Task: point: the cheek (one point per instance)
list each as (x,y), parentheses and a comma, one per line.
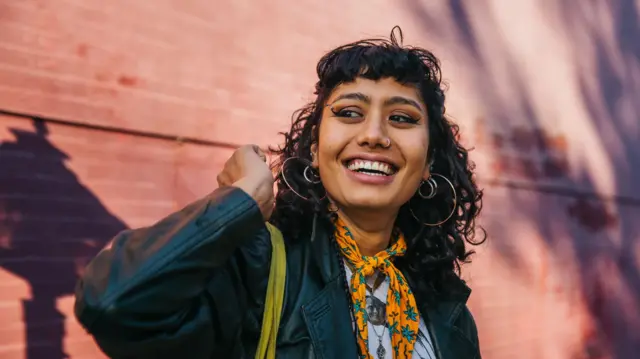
(416,154)
(332,139)
(415,174)
(328,149)
(327,152)
(418,165)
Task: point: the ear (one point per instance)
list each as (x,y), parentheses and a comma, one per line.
(427,169)
(314,155)
(429,165)
(426,173)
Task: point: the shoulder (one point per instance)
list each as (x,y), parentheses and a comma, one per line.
(451,307)
(464,319)
(467,324)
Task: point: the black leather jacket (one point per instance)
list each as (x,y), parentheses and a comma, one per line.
(193,285)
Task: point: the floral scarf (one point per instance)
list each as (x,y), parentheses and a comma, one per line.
(402,314)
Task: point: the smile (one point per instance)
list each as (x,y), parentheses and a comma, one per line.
(371,168)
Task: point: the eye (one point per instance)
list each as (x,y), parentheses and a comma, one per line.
(401,118)
(346,113)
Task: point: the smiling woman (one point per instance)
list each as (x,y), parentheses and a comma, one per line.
(367,125)
(376,201)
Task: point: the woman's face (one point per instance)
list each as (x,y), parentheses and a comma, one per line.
(359,167)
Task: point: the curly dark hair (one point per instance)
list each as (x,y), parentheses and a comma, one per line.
(434,254)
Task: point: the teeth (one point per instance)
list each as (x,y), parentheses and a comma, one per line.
(370,165)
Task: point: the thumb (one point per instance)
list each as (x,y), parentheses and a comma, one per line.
(259,152)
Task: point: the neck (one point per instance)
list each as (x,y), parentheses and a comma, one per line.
(371,231)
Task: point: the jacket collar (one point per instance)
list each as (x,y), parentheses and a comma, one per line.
(449,341)
(322,245)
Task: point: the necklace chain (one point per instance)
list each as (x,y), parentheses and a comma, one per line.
(345,284)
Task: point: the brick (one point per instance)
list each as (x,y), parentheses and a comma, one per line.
(561,271)
(59,194)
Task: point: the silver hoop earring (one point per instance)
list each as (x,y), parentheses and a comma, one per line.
(307,177)
(304,174)
(433,188)
(453,209)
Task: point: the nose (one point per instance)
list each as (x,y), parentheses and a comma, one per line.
(373,132)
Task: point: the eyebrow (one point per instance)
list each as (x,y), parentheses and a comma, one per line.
(395,100)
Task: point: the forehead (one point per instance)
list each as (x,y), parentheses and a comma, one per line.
(377,89)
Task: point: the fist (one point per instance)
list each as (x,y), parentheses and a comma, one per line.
(248,170)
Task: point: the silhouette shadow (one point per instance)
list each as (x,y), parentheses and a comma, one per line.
(591,234)
(54,226)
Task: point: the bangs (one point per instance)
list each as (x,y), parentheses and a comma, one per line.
(375,60)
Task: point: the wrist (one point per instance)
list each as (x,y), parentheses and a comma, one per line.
(248,186)
(256,192)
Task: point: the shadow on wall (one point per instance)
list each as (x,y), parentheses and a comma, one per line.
(602,39)
(52,226)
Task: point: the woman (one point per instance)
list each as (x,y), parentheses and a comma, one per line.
(375,198)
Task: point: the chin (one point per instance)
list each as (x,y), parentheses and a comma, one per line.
(373,201)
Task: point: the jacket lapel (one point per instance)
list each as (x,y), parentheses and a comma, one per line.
(329,321)
(449,341)
(327,315)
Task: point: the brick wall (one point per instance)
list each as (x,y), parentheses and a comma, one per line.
(117,113)
(65,192)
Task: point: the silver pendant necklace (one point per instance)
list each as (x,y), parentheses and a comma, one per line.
(377,316)
(381,351)
(376,311)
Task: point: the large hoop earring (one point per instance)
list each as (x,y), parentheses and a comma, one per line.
(305,174)
(433,184)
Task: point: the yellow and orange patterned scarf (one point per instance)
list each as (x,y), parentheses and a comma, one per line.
(402,314)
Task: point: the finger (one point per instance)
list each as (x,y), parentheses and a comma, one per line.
(260,153)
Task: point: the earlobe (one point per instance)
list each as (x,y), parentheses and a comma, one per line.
(427,170)
(314,155)
(426,174)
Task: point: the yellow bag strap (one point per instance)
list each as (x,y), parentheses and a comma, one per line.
(275,296)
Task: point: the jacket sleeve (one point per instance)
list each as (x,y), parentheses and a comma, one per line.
(145,295)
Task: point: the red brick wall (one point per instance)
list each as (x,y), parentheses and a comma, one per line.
(546,94)
(64,192)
